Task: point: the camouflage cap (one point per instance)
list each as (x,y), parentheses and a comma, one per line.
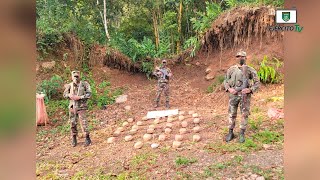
(241,53)
(75,73)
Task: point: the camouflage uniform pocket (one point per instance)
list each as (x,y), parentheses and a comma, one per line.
(239,83)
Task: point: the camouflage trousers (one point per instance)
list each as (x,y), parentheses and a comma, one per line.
(234,102)
(165,88)
(74,117)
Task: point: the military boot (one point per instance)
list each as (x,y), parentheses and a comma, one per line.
(157,104)
(74,140)
(241,138)
(87,141)
(167,105)
(230,136)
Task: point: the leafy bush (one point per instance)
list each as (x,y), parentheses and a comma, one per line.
(201,23)
(50,87)
(56,18)
(108,97)
(204,19)
(194,43)
(147,67)
(54,105)
(269,70)
(136,50)
(101,94)
(164,48)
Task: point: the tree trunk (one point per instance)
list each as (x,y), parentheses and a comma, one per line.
(105,23)
(179,27)
(172,43)
(155,27)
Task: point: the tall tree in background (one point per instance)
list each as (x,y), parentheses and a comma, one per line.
(179,27)
(156,19)
(105,22)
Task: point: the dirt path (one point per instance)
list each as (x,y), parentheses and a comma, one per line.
(209,158)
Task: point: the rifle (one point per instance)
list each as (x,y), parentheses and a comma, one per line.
(74,105)
(245,84)
(164,73)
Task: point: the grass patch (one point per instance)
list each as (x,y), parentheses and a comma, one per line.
(278,125)
(275,99)
(256,109)
(221,147)
(183,175)
(217,168)
(61,129)
(54,106)
(208,172)
(144,158)
(255,124)
(180,161)
(267,174)
(280,122)
(218,81)
(165,149)
(132,175)
(49,169)
(224,131)
(252,143)
(79,175)
(268,137)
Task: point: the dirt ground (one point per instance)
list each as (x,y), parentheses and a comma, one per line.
(211,158)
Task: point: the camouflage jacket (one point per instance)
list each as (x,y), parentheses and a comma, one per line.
(83,90)
(234,78)
(162,74)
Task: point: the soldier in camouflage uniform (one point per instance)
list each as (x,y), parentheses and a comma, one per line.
(234,80)
(163,74)
(78,92)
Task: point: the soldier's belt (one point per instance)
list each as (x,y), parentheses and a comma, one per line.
(163,82)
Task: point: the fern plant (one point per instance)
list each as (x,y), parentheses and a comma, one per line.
(194,43)
(269,71)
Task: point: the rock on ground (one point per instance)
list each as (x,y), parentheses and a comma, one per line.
(48,65)
(121,98)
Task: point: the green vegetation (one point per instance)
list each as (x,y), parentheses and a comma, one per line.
(180,161)
(139,29)
(269,70)
(268,137)
(267,174)
(165,149)
(50,87)
(218,81)
(102,94)
(54,106)
(255,124)
(253,142)
(139,165)
(183,175)
(143,158)
(215,169)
